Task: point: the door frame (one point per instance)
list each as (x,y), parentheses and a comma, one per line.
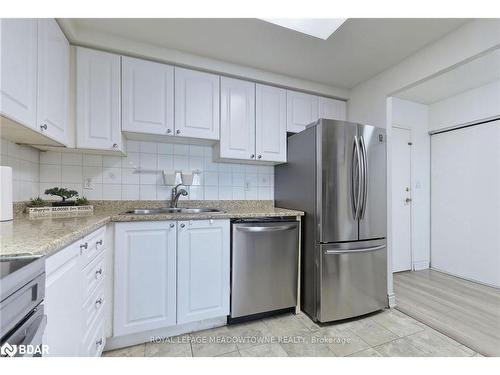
(412,221)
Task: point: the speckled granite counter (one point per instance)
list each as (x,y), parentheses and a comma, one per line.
(45,236)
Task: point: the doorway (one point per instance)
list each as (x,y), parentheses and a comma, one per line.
(401,199)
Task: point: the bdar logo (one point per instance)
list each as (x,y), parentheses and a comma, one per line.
(8,350)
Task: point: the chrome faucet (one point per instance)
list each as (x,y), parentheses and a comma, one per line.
(176,193)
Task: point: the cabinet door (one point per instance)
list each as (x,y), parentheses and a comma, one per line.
(53,80)
(302,109)
(145,276)
(196,104)
(237,123)
(63,302)
(203,270)
(148,97)
(270,125)
(332,109)
(98,100)
(18,62)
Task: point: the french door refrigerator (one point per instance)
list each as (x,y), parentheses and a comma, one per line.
(336,174)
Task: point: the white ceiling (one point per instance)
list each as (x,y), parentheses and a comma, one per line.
(478,72)
(357,51)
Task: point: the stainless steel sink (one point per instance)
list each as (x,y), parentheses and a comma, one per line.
(169,210)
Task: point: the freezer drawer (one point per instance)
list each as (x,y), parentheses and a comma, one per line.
(353,279)
(264,267)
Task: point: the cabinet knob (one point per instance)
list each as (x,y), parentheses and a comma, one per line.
(115,145)
(172,225)
(99,342)
(84,246)
(98,273)
(259,157)
(252,156)
(98,303)
(183,225)
(98,242)
(178,131)
(43,127)
(169,131)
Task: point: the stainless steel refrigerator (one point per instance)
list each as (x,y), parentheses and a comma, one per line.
(336,173)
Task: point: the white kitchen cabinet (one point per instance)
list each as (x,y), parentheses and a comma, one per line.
(63,305)
(237,123)
(332,109)
(203,268)
(302,109)
(144,276)
(147,97)
(270,124)
(18,62)
(98,124)
(53,80)
(196,104)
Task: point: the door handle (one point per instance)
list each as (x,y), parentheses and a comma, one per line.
(356,200)
(364,250)
(267,229)
(365,177)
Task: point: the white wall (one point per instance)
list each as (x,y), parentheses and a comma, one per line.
(473,105)
(25,161)
(115,177)
(415,116)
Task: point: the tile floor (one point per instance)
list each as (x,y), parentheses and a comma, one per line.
(388,334)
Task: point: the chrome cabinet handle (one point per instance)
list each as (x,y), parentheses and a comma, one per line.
(267,229)
(169,131)
(173,225)
(98,273)
(99,342)
(84,246)
(178,131)
(183,225)
(43,127)
(98,303)
(252,156)
(366,249)
(98,242)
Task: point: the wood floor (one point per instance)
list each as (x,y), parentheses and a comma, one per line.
(463,310)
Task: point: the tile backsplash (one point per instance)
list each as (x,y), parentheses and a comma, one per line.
(25,163)
(138,176)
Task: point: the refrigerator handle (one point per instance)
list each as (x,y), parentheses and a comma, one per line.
(365,177)
(356,196)
(362,250)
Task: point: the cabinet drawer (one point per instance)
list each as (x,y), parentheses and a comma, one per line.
(92,275)
(94,341)
(91,245)
(92,308)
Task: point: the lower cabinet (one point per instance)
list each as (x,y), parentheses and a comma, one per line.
(145,276)
(169,273)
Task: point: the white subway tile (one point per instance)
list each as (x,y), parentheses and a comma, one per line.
(50,157)
(238,193)
(132,160)
(181,149)
(163,192)
(147,192)
(196,193)
(225,167)
(211,179)
(71,174)
(264,180)
(112,176)
(149,147)
(95,193)
(181,162)
(50,173)
(165,162)
(225,179)
(211,193)
(111,191)
(148,161)
(238,179)
(130,176)
(92,160)
(71,158)
(225,192)
(133,146)
(195,150)
(195,162)
(264,192)
(165,148)
(112,161)
(251,179)
(148,178)
(251,193)
(130,192)
(209,165)
(94,173)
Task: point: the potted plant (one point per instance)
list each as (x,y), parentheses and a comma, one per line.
(37,202)
(82,201)
(64,194)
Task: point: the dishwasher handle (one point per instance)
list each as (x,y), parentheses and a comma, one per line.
(267,229)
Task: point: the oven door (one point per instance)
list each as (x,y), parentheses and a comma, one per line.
(26,338)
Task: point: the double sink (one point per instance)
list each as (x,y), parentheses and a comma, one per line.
(170,210)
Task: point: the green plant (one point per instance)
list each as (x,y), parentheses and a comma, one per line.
(37,202)
(82,201)
(62,192)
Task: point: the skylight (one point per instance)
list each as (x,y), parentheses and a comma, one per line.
(318,27)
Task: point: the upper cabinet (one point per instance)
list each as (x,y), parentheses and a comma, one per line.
(270,124)
(237,124)
(53,80)
(98,100)
(196,104)
(147,97)
(18,61)
(35,78)
(332,109)
(302,109)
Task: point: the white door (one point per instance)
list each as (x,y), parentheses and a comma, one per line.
(332,109)
(144,276)
(302,109)
(196,104)
(63,302)
(98,122)
(237,123)
(148,97)
(270,124)
(202,270)
(401,199)
(18,62)
(53,80)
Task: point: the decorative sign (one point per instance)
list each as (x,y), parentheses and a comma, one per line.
(66,211)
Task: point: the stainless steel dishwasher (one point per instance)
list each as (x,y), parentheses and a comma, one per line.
(264,265)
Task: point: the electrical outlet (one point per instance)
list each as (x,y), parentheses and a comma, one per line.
(87,184)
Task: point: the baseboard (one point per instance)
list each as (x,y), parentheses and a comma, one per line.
(392,300)
(421,265)
(148,336)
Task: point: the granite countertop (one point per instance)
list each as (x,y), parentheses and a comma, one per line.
(45,236)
